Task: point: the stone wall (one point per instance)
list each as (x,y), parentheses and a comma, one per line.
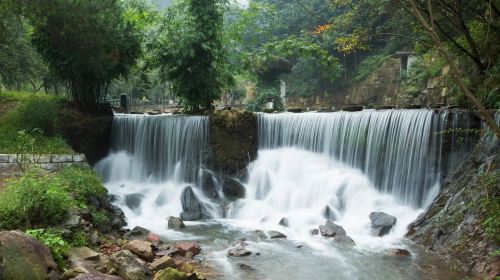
(9,162)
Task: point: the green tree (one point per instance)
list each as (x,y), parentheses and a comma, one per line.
(191,53)
(86,43)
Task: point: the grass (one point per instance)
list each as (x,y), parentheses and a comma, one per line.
(31,112)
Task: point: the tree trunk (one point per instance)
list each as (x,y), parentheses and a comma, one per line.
(457,76)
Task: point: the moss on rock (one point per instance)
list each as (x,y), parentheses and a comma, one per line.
(233,140)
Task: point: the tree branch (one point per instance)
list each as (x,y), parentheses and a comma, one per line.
(312,13)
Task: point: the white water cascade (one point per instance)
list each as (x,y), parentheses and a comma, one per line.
(398,150)
(152,160)
(310,167)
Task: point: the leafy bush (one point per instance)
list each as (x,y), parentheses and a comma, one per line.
(367,66)
(262,93)
(33,200)
(35,113)
(37,116)
(83,183)
(54,241)
(491,205)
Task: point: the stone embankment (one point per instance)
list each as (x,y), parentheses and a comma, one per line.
(10,164)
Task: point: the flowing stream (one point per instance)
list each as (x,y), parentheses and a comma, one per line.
(309,166)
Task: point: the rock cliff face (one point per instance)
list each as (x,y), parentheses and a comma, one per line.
(88,134)
(454,225)
(233,141)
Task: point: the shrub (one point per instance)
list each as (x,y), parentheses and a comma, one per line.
(367,66)
(83,183)
(54,241)
(35,113)
(33,200)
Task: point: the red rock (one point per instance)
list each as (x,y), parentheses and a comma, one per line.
(184,247)
(152,237)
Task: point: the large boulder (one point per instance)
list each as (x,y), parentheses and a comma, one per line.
(233,189)
(344,240)
(209,185)
(175,223)
(127,266)
(330,229)
(328,213)
(23,257)
(137,233)
(142,249)
(133,201)
(382,223)
(162,263)
(193,209)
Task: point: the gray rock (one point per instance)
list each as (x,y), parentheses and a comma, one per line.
(382,223)
(398,253)
(258,235)
(209,185)
(328,213)
(137,233)
(72,218)
(83,253)
(193,208)
(133,201)
(126,265)
(284,222)
(344,240)
(245,267)
(61,158)
(162,263)
(275,234)
(239,251)
(314,231)
(330,229)
(233,189)
(175,223)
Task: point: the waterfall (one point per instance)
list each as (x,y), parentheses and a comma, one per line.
(398,150)
(152,160)
(156,148)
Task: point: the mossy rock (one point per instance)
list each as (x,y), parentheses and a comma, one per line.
(24,258)
(233,140)
(170,274)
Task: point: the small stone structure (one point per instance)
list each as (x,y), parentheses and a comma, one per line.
(49,162)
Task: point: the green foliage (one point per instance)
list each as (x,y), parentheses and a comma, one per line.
(37,200)
(83,183)
(261,98)
(295,48)
(54,241)
(79,239)
(40,112)
(191,54)
(99,218)
(20,64)
(85,43)
(33,200)
(491,204)
(31,124)
(367,66)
